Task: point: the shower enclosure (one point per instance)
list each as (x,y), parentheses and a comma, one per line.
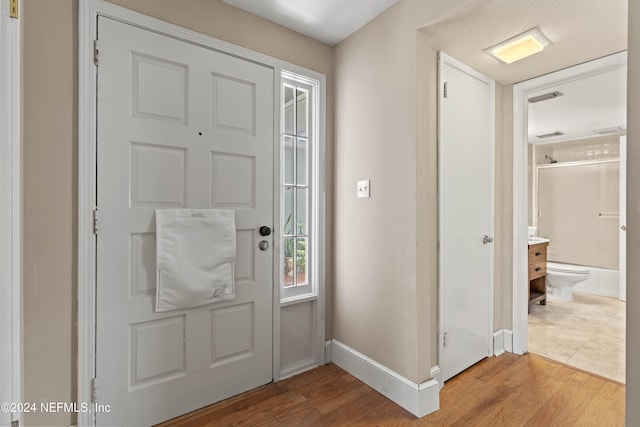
(578,209)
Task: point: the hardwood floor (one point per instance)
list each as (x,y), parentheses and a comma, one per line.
(508,390)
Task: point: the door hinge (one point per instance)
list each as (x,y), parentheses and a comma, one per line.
(95,221)
(444,340)
(13,11)
(96,52)
(94,390)
(445,91)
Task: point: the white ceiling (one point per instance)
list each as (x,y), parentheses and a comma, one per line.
(596,102)
(328,21)
(580,30)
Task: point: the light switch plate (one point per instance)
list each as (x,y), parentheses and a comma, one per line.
(363,189)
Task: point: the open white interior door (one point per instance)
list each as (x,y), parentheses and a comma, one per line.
(466,219)
(179,126)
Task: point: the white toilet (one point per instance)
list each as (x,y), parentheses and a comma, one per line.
(562,277)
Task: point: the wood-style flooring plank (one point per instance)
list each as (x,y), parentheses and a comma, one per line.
(605,409)
(504,391)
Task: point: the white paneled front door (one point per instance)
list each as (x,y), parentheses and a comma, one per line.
(466,150)
(179,126)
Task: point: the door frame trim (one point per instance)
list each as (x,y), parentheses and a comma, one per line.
(520,181)
(89,11)
(622,244)
(442,59)
(10,149)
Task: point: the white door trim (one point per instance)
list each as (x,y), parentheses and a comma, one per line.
(89,10)
(446,59)
(622,251)
(520,187)
(10,197)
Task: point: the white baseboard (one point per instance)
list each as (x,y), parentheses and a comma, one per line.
(498,342)
(327,352)
(419,399)
(502,341)
(508,341)
(437,375)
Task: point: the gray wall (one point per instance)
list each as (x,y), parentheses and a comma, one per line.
(49,78)
(385,294)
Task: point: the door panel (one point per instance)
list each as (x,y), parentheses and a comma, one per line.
(179,126)
(466,216)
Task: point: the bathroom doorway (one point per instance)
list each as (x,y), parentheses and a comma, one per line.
(569,131)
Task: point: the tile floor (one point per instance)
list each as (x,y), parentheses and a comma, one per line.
(588,333)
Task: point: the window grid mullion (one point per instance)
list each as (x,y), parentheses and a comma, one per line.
(295,233)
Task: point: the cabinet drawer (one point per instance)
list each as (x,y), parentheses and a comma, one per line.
(537,270)
(537,253)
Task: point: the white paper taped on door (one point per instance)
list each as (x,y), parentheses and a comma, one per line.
(195,255)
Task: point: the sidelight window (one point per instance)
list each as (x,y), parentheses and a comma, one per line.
(298,178)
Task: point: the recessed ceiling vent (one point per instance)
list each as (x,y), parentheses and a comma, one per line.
(610,131)
(545,97)
(549,135)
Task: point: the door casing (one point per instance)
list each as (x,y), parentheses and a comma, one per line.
(89,10)
(520,185)
(10,223)
(622,251)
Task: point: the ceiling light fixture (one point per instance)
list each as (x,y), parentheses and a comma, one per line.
(545,97)
(519,47)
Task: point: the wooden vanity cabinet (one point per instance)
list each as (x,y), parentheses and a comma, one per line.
(537,273)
